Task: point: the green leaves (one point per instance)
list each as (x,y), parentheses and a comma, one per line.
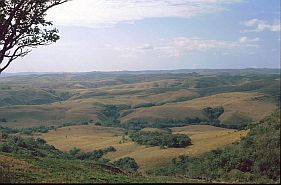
(23,26)
(127,163)
(163,139)
(255,159)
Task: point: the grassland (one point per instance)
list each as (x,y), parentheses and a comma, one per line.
(61,99)
(78,98)
(251,104)
(56,99)
(88,137)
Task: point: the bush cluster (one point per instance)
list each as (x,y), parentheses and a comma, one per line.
(39,148)
(256,158)
(163,123)
(163,139)
(127,163)
(77,153)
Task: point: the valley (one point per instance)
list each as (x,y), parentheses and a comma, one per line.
(91,112)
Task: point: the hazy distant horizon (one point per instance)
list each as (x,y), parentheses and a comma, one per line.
(150,70)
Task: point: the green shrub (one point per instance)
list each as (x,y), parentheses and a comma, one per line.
(4,120)
(29,146)
(77,153)
(39,148)
(163,139)
(127,163)
(256,158)
(213,113)
(98,124)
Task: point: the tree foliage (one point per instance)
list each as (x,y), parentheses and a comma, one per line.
(39,148)
(256,158)
(127,163)
(163,139)
(213,113)
(23,26)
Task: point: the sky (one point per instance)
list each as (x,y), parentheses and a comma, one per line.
(116,35)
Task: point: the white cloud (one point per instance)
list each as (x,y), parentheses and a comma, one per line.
(100,13)
(146,47)
(244,40)
(258,25)
(192,44)
(182,45)
(179,46)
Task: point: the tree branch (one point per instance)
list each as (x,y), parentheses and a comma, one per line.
(19,27)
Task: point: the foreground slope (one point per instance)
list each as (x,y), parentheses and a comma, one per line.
(21,169)
(255,159)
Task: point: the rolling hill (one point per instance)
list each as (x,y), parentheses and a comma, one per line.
(55,99)
(91,111)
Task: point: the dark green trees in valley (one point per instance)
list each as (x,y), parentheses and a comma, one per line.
(213,113)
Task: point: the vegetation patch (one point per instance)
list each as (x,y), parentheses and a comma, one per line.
(112,114)
(237,121)
(77,153)
(30,130)
(162,139)
(256,158)
(127,163)
(29,146)
(162,123)
(213,113)
(39,148)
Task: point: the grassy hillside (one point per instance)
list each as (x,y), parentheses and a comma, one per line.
(94,111)
(255,159)
(254,105)
(57,99)
(20,169)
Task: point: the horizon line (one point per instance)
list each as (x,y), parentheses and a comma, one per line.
(110,71)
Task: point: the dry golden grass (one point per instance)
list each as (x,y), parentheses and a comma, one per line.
(163,112)
(200,128)
(134,94)
(89,108)
(88,138)
(51,114)
(151,129)
(168,96)
(136,98)
(16,164)
(85,137)
(79,109)
(144,85)
(242,102)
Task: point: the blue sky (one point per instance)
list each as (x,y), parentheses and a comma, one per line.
(113,35)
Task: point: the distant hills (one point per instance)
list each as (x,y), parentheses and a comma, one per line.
(177,71)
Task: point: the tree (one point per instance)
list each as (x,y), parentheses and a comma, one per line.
(213,113)
(127,163)
(23,26)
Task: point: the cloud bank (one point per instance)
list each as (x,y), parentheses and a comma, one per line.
(180,46)
(104,13)
(258,25)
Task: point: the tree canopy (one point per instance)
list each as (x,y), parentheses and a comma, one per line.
(23,26)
